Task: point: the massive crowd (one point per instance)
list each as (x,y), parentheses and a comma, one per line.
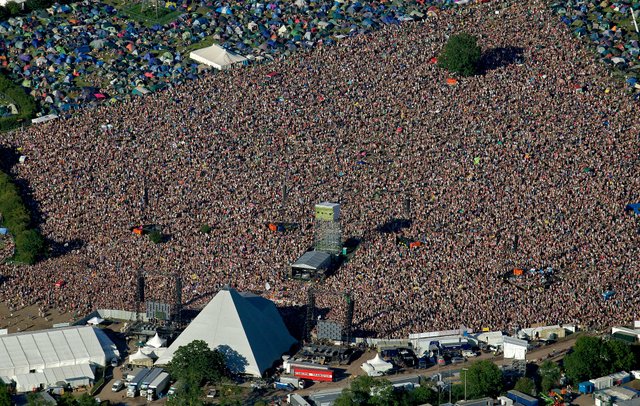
(370,122)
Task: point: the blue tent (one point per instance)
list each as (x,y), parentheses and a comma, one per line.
(633,206)
(607,294)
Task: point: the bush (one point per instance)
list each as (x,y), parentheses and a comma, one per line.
(4,13)
(156,236)
(205,228)
(15,217)
(14,8)
(461,55)
(24,102)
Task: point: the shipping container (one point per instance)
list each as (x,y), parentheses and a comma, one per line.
(522,398)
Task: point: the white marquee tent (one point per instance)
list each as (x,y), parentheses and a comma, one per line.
(74,375)
(376,366)
(156,341)
(217,57)
(47,356)
(246,328)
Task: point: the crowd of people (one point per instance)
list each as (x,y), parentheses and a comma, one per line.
(513,168)
(74,55)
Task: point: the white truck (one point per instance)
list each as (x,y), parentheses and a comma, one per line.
(297,400)
(133,386)
(294,381)
(157,386)
(144,384)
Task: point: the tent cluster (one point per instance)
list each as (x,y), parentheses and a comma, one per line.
(608,27)
(72,55)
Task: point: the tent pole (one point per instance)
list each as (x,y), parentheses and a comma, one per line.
(634,19)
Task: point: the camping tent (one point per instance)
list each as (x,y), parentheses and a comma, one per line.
(246,328)
(216,56)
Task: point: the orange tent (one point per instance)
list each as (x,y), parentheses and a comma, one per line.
(137,230)
(273,227)
(452,81)
(518,272)
(415,244)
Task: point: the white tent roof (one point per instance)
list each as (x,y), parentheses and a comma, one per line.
(216,56)
(379,364)
(22,352)
(246,328)
(95,320)
(138,356)
(156,341)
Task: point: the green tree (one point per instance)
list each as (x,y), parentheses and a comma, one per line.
(29,245)
(189,395)
(620,355)
(484,378)
(205,229)
(156,236)
(196,362)
(549,375)
(86,400)
(461,54)
(588,359)
(526,385)
(36,399)
(5,398)
(13,7)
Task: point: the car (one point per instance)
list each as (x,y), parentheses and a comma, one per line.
(117,385)
(211,394)
(457,360)
(469,354)
(114,362)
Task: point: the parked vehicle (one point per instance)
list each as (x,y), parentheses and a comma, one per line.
(175,388)
(158,385)
(283,386)
(117,385)
(296,382)
(297,400)
(133,387)
(144,384)
(522,398)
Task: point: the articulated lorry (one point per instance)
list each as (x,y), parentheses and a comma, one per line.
(144,384)
(158,385)
(133,386)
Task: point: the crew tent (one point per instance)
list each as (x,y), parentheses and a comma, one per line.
(217,57)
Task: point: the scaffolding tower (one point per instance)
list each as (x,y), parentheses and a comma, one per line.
(328,233)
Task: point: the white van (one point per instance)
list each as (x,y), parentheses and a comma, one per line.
(117,385)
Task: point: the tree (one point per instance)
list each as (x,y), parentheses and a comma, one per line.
(189,395)
(526,385)
(36,399)
(550,375)
(5,398)
(13,7)
(484,378)
(590,357)
(461,54)
(621,356)
(29,245)
(196,363)
(85,400)
(156,237)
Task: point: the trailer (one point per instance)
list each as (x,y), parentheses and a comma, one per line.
(295,381)
(316,375)
(158,385)
(144,384)
(283,386)
(175,388)
(522,398)
(133,386)
(297,400)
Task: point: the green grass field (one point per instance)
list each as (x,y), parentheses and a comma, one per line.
(147,13)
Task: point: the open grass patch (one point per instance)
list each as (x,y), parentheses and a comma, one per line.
(148,14)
